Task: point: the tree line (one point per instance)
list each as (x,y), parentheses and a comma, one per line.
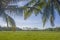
(9,29)
(28,29)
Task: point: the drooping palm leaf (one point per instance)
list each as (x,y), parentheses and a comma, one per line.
(27,13)
(38,8)
(9,21)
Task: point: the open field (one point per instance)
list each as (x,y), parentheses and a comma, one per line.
(29,35)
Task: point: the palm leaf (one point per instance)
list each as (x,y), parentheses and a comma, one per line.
(9,20)
(30,3)
(57,6)
(52,20)
(38,7)
(27,13)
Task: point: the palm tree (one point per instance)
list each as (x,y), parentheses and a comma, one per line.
(47,6)
(4,5)
(6,17)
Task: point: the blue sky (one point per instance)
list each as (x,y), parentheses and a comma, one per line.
(32,21)
(36,21)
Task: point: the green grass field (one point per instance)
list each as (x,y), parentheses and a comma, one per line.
(29,35)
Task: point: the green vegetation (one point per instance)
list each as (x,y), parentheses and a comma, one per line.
(47,6)
(29,35)
(37,6)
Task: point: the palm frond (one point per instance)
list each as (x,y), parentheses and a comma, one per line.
(27,13)
(4,3)
(52,20)
(57,6)
(45,16)
(39,7)
(30,3)
(9,20)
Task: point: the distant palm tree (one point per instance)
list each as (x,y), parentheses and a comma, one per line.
(47,6)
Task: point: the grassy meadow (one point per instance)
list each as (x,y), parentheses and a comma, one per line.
(29,35)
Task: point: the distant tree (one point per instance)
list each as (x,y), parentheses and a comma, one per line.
(35,28)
